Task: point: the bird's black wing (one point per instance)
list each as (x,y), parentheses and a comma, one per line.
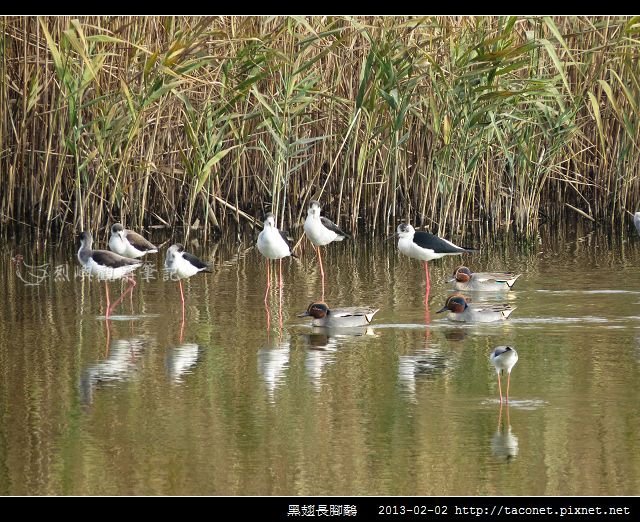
(196,262)
(139,242)
(288,240)
(432,242)
(333,227)
(112,260)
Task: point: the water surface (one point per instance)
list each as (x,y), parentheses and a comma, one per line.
(246,400)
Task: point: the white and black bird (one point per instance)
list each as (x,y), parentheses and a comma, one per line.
(321,231)
(182,265)
(503,358)
(129,243)
(107,266)
(273,244)
(425,247)
(636,221)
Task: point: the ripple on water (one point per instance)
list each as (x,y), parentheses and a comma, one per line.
(126,317)
(521,404)
(604,291)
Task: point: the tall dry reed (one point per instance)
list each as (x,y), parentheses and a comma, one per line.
(449,122)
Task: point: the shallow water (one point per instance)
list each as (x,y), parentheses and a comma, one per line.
(243,400)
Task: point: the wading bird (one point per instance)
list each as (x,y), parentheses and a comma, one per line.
(504,359)
(107,266)
(273,244)
(425,247)
(181,265)
(321,231)
(129,243)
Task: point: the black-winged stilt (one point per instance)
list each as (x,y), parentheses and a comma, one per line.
(321,231)
(504,359)
(425,247)
(273,244)
(106,265)
(181,265)
(128,243)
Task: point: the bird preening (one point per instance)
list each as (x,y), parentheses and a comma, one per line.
(503,358)
(107,266)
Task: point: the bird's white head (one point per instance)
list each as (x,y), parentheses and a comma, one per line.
(314,209)
(270,220)
(174,251)
(405,230)
(118,229)
(86,240)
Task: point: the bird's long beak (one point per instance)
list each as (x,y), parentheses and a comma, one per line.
(451,280)
(391,236)
(304,314)
(443,309)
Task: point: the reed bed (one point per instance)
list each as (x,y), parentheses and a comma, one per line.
(500,122)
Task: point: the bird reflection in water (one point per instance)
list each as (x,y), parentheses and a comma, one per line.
(504,444)
(426,364)
(321,352)
(121,364)
(322,344)
(455,334)
(181,361)
(273,362)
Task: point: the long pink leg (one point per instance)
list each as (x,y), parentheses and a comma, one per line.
(108,326)
(266,294)
(500,387)
(427,320)
(266,307)
(106,287)
(181,297)
(508,382)
(280,300)
(131,295)
(129,289)
(321,270)
(427,317)
(426,271)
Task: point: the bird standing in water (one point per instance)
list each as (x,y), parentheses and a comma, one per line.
(321,231)
(273,244)
(425,247)
(504,358)
(181,265)
(106,265)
